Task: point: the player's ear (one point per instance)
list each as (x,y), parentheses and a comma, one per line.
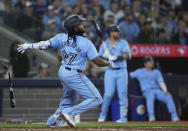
(109,34)
(74,28)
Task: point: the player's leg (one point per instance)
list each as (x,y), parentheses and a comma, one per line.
(69,98)
(122,83)
(109,89)
(168,100)
(150,98)
(83,86)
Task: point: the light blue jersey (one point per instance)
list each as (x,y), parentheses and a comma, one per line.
(74,83)
(147,79)
(116,79)
(119,48)
(74,55)
(149,83)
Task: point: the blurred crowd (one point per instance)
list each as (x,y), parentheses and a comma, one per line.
(140,21)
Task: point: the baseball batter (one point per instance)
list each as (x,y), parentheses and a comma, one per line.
(153,87)
(75,49)
(116,77)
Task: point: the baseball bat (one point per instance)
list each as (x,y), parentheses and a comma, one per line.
(99,33)
(11,91)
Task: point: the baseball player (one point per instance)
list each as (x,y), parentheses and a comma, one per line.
(116,77)
(153,87)
(75,49)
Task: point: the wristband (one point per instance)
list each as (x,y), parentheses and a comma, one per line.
(119,58)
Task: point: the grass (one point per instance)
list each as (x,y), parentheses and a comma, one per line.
(87,125)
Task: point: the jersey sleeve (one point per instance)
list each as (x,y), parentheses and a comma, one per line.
(101,50)
(91,51)
(55,41)
(125,48)
(159,76)
(134,74)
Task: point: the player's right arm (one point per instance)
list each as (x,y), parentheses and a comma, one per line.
(134,74)
(42,45)
(101,62)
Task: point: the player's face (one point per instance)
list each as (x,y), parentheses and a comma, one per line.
(115,35)
(149,64)
(79,28)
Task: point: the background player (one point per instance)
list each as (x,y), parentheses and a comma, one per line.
(151,83)
(75,50)
(116,77)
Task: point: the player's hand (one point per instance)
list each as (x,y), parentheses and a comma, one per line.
(112,58)
(167,93)
(106,54)
(111,64)
(23,47)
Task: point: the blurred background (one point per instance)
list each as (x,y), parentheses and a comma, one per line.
(157,28)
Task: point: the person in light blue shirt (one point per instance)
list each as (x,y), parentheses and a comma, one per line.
(70,2)
(153,87)
(51,16)
(129,29)
(75,50)
(105,4)
(116,77)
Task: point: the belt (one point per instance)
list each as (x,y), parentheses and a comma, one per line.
(115,68)
(79,71)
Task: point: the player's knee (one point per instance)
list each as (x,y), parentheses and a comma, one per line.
(168,98)
(150,97)
(99,100)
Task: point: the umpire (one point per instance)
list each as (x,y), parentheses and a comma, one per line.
(116,77)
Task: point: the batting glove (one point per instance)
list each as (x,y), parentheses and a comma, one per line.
(106,54)
(112,58)
(23,47)
(111,64)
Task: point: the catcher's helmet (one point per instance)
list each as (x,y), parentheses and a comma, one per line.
(113,28)
(72,21)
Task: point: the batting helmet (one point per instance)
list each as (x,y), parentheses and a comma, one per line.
(113,28)
(72,21)
(147,59)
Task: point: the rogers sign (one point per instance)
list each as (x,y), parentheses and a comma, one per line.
(158,50)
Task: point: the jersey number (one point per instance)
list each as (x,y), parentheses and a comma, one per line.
(66,56)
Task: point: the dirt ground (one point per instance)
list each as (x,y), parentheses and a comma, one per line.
(100,129)
(174,127)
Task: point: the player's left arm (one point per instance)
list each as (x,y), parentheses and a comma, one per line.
(42,45)
(126,54)
(161,82)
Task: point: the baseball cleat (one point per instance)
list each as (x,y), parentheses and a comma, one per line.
(118,121)
(59,124)
(100,120)
(176,119)
(124,120)
(152,119)
(68,119)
